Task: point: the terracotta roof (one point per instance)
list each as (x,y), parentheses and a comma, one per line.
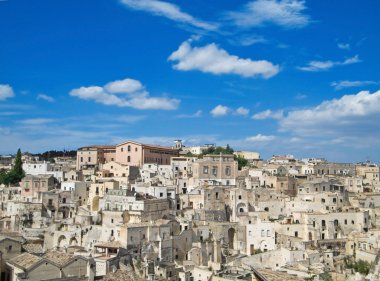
(148,145)
(25,260)
(99,146)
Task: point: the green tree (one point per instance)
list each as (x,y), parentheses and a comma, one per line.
(242,162)
(15,175)
(3,175)
(218,150)
(17,168)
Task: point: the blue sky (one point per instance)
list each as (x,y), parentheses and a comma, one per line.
(273,76)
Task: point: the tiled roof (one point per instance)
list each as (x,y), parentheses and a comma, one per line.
(25,260)
(33,248)
(58,258)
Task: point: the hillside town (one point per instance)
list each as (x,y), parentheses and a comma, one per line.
(135,211)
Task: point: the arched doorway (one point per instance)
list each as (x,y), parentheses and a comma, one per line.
(62,241)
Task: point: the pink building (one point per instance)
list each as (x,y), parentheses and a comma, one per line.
(136,154)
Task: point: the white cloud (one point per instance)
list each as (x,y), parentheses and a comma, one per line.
(170,11)
(260,138)
(220,110)
(125,93)
(45,98)
(6,91)
(196,114)
(351,115)
(126,86)
(36,121)
(339,85)
(344,46)
(268,114)
(315,66)
(285,13)
(242,111)
(212,59)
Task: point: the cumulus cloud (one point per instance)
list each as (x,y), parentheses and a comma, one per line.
(6,91)
(315,65)
(125,93)
(212,59)
(339,85)
(284,13)
(351,115)
(126,86)
(260,138)
(268,114)
(220,110)
(45,98)
(242,111)
(170,11)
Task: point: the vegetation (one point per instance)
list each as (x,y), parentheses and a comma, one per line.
(360,266)
(218,150)
(326,276)
(49,155)
(15,175)
(242,162)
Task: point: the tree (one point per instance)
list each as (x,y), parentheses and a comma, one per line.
(17,168)
(242,162)
(15,175)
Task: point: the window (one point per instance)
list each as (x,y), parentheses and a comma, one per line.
(217,195)
(161,194)
(205,169)
(345,221)
(129,159)
(262,233)
(214,170)
(136,149)
(81,159)
(239,197)
(228,171)
(89,159)
(121,149)
(129,148)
